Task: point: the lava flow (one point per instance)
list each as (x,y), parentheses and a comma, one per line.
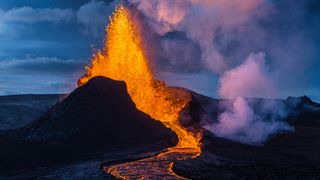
(123,58)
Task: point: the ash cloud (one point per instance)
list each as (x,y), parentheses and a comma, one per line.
(200,21)
(223,33)
(225,36)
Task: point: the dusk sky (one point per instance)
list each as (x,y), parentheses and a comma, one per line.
(44,46)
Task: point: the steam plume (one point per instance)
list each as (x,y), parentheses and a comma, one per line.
(240,121)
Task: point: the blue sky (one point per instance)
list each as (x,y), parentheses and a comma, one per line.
(45,44)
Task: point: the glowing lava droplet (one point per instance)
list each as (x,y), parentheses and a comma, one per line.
(124,59)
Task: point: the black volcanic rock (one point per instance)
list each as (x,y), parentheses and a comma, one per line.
(100,118)
(96,117)
(292,155)
(288,156)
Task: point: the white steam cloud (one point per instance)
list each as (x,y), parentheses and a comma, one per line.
(240,121)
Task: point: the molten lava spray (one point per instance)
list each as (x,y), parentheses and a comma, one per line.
(123,58)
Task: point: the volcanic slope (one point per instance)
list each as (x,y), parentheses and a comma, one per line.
(96,117)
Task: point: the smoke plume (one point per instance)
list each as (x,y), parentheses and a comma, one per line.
(223,38)
(200,21)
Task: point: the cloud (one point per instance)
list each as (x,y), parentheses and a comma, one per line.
(31,15)
(39,75)
(40,65)
(42,71)
(93,17)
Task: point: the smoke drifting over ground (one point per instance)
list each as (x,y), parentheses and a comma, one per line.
(245,43)
(241,121)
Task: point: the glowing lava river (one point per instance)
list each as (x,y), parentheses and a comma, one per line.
(123,58)
(156,167)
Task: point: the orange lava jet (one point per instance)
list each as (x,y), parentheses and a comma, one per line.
(123,58)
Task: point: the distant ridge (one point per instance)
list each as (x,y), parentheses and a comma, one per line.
(17,111)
